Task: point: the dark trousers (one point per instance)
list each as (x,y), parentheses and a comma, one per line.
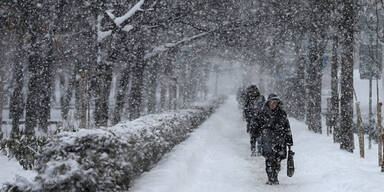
(272,167)
(253,138)
(253,141)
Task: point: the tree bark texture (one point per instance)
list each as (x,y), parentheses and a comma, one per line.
(335,90)
(314,84)
(121,94)
(135,98)
(346,100)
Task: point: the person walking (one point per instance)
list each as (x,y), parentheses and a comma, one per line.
(254,102)
(276,136)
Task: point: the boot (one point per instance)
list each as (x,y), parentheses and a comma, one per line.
(275,177)
(253,151)
(270,176)
(270,181)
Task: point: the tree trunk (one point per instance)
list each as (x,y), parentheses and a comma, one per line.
(172,93)
(300,88)
(190,83)
(316,51)
(39,92)
(32,104)
(135,99)
(346,102)
(194,81)
(17,99)
(153,78)
(335,90)
(104,80)
(182,88)
(121,95)
(67,97)
(205,81)
(163,92)
(46,81)
(2,81)
(80,103)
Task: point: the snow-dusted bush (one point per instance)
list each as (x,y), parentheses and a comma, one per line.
(109,159)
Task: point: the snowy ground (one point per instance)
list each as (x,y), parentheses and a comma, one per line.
(10,168)
(217,158)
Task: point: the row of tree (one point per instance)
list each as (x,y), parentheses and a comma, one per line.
(157,49)
(308,27)
(147,44)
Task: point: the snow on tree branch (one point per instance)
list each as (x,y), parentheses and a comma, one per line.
(110,14)
(224,28)
(119,20)
(165,47)
(101,34)
(127,28)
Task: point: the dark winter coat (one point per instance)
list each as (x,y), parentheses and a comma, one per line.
(253,105)
(241,97)
(274,129)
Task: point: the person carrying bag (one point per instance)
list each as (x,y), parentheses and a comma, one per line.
(274,129)
(290,163)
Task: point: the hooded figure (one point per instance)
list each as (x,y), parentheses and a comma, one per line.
(241,97)
(254,103)
(275,132)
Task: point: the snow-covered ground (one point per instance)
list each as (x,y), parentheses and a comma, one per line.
(10,168)
(217,158)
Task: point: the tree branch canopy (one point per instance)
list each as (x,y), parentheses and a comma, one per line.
(167,46)
(120,20)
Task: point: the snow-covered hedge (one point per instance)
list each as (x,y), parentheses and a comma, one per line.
(109,159)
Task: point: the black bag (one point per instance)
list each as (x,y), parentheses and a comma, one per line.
(290,163)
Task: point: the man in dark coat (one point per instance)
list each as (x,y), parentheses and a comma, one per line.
(241,97)
(254,102)
(276,135)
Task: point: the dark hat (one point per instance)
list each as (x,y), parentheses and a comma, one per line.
(252,88)
(273,96)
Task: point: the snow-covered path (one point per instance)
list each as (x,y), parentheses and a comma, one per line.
(216,158)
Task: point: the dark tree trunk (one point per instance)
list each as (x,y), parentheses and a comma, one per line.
(300,88)
(39,92)
(2,81)
(172,91)
(190,83)
(153,78)
(314,87)
(193,83)
(135,99)
(17,99)
(45,95)
(346,101)
(121,95)
(104,81)
(187,85)
(170,72)
(33,100)
(78,92)
(335,90)
(316,51)
(66,99)
(317,44)
(205,81)
(163,92)
(182,88)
